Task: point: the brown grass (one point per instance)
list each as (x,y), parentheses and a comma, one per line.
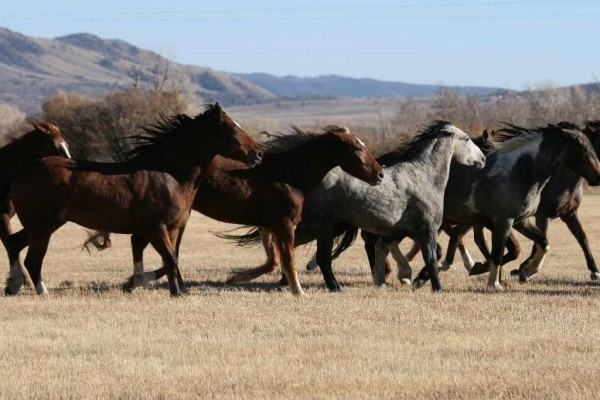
(89,341)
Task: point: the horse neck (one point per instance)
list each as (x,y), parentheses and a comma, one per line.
(169,158)
(434,161)
(304,166)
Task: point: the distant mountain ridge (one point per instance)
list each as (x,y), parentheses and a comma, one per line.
(31,69)
(335,85)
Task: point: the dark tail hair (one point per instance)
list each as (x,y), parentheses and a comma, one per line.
(250,239)
(345,236)
(100,240)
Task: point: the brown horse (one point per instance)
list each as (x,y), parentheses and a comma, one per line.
(44,140)
(151,194)
(271,195)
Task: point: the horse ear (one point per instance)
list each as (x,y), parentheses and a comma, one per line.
(217,107)
(486,135)
(42,127)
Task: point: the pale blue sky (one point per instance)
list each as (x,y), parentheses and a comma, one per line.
(455,42)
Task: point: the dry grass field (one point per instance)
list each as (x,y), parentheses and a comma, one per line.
(88,340)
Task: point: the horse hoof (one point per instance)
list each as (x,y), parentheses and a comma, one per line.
(128,286)
(10,292)
(418,284)
(479,268)
(405,281)
(514,272)
(230,279)
(523,278)
(336,288)
(444,266)
(496,287)
(595,276)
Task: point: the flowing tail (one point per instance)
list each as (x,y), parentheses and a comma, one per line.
(345,235)
(97,239)
(250,239)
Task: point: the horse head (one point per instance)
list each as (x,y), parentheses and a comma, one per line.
(466,152)
(353,156)
(229,137)
(579,154)
(50,141)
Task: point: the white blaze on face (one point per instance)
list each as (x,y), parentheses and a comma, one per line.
(63,145)
(360,141)
(238,125)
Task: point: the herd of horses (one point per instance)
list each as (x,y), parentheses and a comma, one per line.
(301,187)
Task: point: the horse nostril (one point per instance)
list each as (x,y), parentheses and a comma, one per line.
(259,155)
(380,175)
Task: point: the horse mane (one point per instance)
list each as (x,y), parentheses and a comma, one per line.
(512,136)
(163,131)
(281,143)
(409,151)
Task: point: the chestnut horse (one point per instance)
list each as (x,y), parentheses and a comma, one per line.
(44,140)
(271,195)
(150,194)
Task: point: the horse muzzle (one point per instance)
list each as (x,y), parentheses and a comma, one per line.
(378,179)
(595,181)
(255,158)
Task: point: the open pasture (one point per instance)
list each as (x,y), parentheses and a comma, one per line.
(89,340)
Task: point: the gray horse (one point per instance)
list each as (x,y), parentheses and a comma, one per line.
(408,203)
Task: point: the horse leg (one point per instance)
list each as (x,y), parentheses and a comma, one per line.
(138,244)
(500,234)
(370,240)
(574,225)
(161,241)
(479,238)
(176,237)
(429,252)
(269,266)
(413,251)
(532,265)
(284,239)
(38,245)
(456,235)
(404,269)
(381,253)
(14,244)
(17,271)
(324,249)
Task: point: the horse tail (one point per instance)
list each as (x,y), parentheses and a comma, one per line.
(99,240)
(250,239)
(345,236)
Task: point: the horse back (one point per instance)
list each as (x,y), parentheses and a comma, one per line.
(110,197)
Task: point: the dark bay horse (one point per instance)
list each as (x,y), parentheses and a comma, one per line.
(150,194)
(44,140)
(271,195)
(407,203)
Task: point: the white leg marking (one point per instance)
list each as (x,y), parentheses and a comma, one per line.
(40,288)
(494,278)
(467,259)
(533,266)
(404,269)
